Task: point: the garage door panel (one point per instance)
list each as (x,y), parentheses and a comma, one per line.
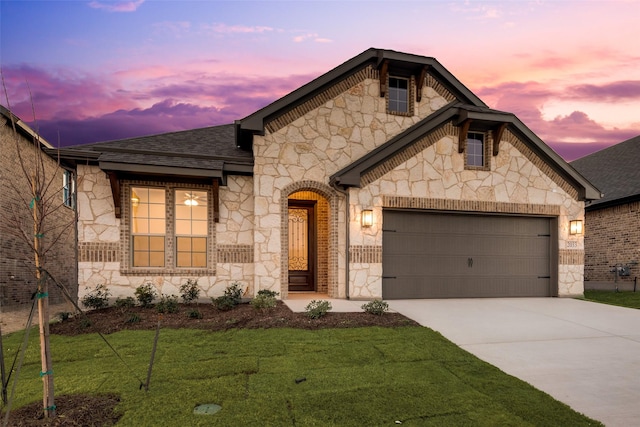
(429,255)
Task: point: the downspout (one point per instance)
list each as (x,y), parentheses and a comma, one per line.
(346,252)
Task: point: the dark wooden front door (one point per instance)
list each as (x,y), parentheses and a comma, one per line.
(302,245)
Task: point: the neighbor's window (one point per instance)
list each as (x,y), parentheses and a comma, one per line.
(191,228)
(475,149)
(398,95)
(68,189)
(148,226)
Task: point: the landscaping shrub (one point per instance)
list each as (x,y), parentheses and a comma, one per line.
(377,307)
(97,298)
(194,314)
(167,304)
(265,299)
(231,297)
(124,303)
(145,294)
(316,309)
(189,291)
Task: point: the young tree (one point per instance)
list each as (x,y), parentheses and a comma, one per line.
(39,216)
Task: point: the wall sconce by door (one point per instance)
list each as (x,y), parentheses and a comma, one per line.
(575,227)
(367,217)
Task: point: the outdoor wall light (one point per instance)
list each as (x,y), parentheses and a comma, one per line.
(575,227)
(367,217)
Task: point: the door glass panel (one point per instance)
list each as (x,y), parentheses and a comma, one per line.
(298,239)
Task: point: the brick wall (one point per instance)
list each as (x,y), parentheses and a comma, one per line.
(612,236)
(17,273)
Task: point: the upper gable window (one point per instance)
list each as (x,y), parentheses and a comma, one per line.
(475,150)
(398,101)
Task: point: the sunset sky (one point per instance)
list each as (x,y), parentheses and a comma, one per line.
(102,70)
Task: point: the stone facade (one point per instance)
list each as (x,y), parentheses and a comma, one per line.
(17,272)
(295,158)
(104,242)
(612,239)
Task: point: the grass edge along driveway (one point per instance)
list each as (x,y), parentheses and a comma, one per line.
(285,377)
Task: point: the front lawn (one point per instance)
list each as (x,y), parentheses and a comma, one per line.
(284,377)
(623,299)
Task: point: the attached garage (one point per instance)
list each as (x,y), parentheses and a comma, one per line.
(459,255)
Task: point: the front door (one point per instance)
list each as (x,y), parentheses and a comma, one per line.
(302,245)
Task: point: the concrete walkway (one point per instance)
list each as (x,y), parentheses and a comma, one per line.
(584,354)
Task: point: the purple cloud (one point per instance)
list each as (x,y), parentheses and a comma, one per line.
(629,89)
(117,5)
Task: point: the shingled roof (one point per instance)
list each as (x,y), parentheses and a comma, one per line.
(204,152)
(614,171)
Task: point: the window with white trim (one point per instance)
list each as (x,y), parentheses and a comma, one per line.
(68,189)
(191,228)
(475,149)
(148,226)
(398,101)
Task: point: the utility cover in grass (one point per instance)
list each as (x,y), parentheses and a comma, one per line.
(207,409)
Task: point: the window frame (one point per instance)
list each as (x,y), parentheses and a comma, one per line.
(68,189)
(170,268)
(485,147)
(409,98)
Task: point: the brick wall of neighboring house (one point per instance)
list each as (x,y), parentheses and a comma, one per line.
(17,272)
(612,236)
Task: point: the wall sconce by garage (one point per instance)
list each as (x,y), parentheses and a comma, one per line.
(367,217)
(575,227)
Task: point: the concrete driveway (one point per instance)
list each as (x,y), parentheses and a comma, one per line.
(584,354)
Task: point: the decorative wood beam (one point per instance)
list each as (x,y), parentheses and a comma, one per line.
(497,136)
(384,71)
(462,139)
(216,200)
(420,83)
(115,192)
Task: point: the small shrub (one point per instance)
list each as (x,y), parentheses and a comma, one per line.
(194,314)
(124,303)
(267,293)
(134,318)
(167,304)
(231,297)
(64,316)
(85,323)
(316,309)
(189,291)
(264,300)
(97,298)
(145,294)
(377,307)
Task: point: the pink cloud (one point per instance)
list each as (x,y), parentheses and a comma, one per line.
(620,90)
(117,5)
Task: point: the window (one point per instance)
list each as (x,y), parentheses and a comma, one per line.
(398,95)
(68,189)
(475,149)
(148,226)
(191,228)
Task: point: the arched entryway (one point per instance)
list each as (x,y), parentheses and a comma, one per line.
(309,243)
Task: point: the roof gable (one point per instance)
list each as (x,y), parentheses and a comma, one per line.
(615,171)
(388,155)
(332,82)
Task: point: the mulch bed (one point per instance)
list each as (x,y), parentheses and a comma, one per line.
(98,410)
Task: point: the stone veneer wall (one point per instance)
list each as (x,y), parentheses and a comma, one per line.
(309,144)
(435,178)
(104,241)
(612,237)
(17,271)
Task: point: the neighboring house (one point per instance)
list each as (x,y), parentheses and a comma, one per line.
(383,178)
(17,266)
(612,233)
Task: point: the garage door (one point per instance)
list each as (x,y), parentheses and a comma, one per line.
(436,255)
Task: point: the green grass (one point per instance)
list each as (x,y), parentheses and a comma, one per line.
(353,377)
(623,299)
